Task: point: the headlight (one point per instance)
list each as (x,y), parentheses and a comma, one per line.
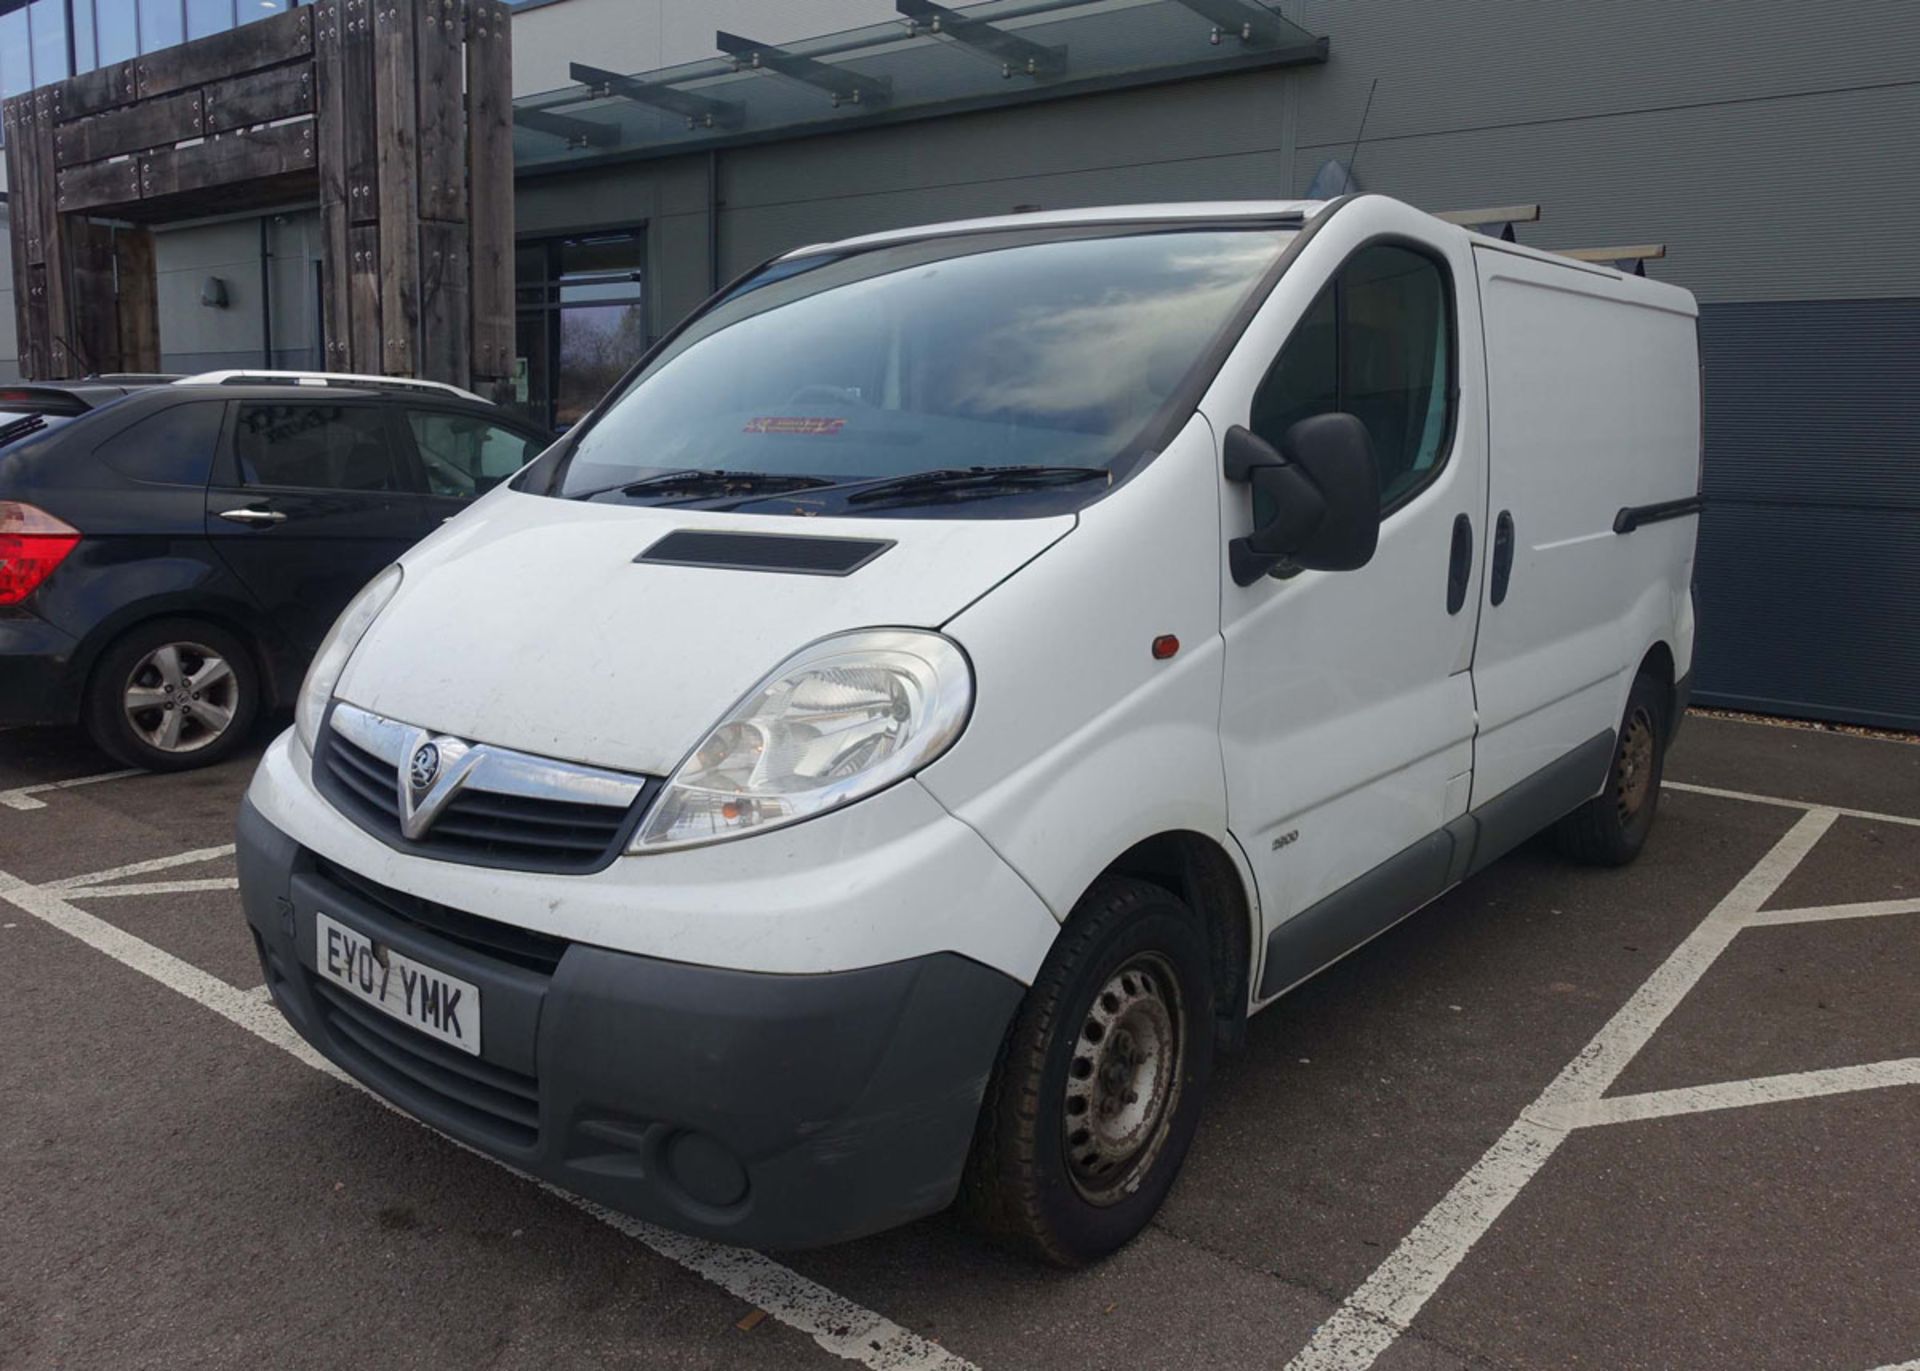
(835,722)
(335,649)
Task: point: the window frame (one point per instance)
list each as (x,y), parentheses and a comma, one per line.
(1449,292)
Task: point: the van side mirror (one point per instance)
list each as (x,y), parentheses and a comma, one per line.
(1322,492)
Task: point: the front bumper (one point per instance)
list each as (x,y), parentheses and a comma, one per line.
(37,684)
(760,1109)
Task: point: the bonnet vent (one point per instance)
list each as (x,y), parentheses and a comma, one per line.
(805,556)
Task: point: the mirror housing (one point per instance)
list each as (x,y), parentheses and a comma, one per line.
(1324,486)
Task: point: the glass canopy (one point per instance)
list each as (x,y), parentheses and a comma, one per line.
(933,59)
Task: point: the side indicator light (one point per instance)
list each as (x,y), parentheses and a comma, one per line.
(1165,646)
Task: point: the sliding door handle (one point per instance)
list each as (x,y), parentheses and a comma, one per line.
(1460,564)
(1502,555)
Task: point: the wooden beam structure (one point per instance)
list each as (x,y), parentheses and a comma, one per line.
(394,116)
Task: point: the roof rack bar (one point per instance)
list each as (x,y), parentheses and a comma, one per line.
(1245,20)
(575,133)
(1496,214)
(698,110)
(1016,55)
(836,81)
(1637,252)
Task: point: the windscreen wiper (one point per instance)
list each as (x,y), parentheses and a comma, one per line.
(712,483)
(21,427)
(971,480)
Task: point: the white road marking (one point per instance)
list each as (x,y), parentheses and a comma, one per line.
(1779,802)
(22,797)
(152,864)
(94,892)
(1369,1321)
(837,1324)
(1697,1099)
(262,994)
(1913,1365)
(1866,909)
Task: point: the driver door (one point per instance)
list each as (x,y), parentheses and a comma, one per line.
(1347,717)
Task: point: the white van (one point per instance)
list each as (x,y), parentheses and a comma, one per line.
(958,677)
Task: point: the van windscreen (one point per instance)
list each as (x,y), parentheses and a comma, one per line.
(987,350)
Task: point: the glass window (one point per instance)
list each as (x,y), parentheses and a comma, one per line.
(210,16)
(162,24)
(465,456)
(85,56)
(1377,344)
(48,21)
(118,32)
(173,447)
(316,447)
(16,53)
(582,320)
(1049,348)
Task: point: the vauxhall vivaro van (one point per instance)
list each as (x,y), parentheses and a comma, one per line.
(962,673)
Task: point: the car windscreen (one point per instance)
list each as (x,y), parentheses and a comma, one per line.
(983,350)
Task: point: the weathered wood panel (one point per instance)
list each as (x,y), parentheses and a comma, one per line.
(260,97)
(16,237)
(138,305)
(330,137)
(56,251)
(442,111)
(99,185)
(444,302)
(394,74)
(263,43)
(231,158)
(103,88)
(133,128)
(361,133)
(490,185)
(96,333)
(363,283)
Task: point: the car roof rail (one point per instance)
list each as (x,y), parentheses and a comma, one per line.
(326,378)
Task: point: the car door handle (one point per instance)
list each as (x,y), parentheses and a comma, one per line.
(1460,563)
(254,516)
(1502,555)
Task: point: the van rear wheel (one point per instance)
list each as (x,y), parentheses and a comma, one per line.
(1611,828)
(1099,1085)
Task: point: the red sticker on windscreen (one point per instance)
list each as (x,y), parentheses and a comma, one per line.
(794,424)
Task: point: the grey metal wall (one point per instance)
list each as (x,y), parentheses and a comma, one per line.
(1768,144)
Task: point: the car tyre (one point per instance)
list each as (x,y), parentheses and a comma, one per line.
(172,695)
(1611,828)
(1100,1081)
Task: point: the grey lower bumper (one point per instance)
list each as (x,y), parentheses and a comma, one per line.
(765,1110)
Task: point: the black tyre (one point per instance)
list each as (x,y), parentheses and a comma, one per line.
(173,694)
(1610,829)
(1100,1083)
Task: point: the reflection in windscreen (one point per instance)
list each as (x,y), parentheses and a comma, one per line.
(946,353)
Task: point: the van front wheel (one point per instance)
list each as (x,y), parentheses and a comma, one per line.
(1099,1085)
(1611,828)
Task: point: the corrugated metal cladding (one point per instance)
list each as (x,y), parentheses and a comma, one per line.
(1768,144)
(1809,570)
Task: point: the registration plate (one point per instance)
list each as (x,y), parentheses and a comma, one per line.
(437,1004)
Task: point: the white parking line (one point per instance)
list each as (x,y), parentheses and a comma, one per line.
(94,892)
(836,1324)
(1780,802)
(22,797)
(1373,1317)
(152,864)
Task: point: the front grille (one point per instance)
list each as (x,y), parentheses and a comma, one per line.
(410,1067)
(522,947)
(477,826)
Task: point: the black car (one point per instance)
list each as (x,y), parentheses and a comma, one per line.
(170,559)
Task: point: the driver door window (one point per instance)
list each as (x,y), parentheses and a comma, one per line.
(463,456)
(1377,344)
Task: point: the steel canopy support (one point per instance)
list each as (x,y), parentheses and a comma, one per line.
(576,133)
(1016,55)
(699,111)
(837,82)
(1245,20)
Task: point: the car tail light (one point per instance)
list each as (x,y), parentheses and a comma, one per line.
(32,544)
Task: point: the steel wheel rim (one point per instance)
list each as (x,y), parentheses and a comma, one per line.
(1633,771)
(1123,1084)
(181,697)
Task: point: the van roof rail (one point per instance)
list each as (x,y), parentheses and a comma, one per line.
(1639,254)
(325,378)
(1494,214)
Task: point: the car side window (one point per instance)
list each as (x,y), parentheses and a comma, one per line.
(1377,344)
(316,447)
(464,455)
(173,447)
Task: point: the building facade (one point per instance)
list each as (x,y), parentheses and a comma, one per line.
(1763,144)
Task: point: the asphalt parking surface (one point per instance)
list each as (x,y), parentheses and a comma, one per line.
(1657,1117)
